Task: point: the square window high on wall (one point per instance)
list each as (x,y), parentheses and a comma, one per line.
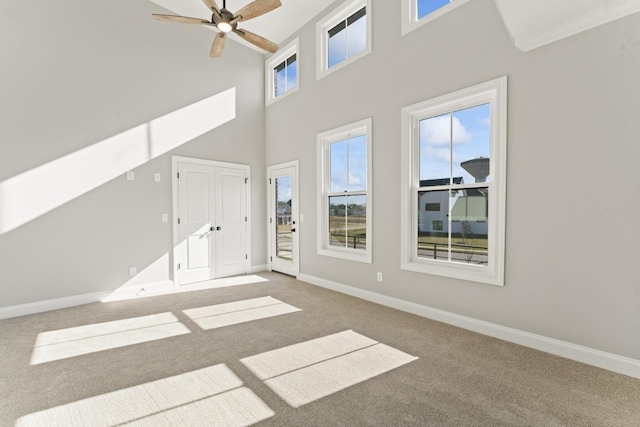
(454,187)
(416,13)
(343,36)
(344,196)
(282,73)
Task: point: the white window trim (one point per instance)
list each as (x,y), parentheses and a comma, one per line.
(363,127)
(495,92)
(322,42)
(410,19)
(283,54)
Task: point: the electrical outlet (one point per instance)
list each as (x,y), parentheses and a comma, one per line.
(379,277)
(133,271)
(131,175)
(156,177)
(165,217)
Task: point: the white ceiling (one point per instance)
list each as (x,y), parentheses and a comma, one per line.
(531,23)
(276,25)
(536,23)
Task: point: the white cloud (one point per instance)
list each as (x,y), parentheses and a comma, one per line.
(437,131)
(485,122)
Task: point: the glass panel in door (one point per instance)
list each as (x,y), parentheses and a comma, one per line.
(284,219)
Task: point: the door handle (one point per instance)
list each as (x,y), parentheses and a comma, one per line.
(218,228)
(293,230)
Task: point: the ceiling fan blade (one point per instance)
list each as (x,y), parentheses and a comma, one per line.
(257,40)
(211,4)
(218,45)
(257,8)
(182,19)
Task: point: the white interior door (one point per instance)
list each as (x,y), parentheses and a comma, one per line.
(283,218)
(231,222)
(195,219)
(212,223)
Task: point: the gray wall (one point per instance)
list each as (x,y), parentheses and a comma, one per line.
(573,238)
(73,73)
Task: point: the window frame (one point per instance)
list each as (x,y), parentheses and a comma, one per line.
(324,140)
(323,26)
(494,92)
(410,19)
(283,54)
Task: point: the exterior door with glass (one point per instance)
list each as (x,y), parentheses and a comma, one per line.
(284,230)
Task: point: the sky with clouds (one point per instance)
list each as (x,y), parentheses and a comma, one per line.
(450,139)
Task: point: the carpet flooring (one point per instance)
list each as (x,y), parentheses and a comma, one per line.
(280,352)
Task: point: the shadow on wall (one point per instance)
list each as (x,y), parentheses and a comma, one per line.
(33,193)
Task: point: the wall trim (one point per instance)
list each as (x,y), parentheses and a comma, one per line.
(52,304)
(257,269)
(609,361)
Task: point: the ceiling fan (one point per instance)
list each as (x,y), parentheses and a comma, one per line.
(226,22)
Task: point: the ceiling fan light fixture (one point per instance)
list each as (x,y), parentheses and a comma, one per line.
(225,27)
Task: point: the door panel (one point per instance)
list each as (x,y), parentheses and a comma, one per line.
(284,230)
(195,213)
(231,251)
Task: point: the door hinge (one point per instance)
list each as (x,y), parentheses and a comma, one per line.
(246,257)
(246,180)
(178,266)
(178,220)
(269,181)
(271,258)
(270,220)
(245,219)
(178,175)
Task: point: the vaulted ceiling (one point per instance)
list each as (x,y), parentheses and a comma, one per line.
(532,24)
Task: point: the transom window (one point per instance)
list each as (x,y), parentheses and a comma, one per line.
(453,214)
(285,76)
(416,13)
(282,73)
(344,176)
(348,38)
(343,36)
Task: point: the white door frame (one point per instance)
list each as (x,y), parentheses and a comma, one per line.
(295,213)
(174,196)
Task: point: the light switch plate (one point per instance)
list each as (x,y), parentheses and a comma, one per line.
(165,217)
(156,177)
(133,271)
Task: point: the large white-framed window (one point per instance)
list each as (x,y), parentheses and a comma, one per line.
(454,153)
(282,72)
(343,36)
(416,13)
(344,192)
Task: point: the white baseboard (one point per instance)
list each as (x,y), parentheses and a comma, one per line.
(257,269)
(66,302)
(612,362)
(128,292)
(52,304)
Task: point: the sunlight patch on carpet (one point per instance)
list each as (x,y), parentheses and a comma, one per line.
(86,339)
(198,397)
(233,313)
(305,372)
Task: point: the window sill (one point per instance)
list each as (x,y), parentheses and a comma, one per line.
(271,101)
(323,72)
(472,273)
(347,254)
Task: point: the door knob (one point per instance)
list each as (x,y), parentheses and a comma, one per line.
(218,228)
(293,230)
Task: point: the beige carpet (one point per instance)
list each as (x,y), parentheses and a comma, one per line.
(281,352)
